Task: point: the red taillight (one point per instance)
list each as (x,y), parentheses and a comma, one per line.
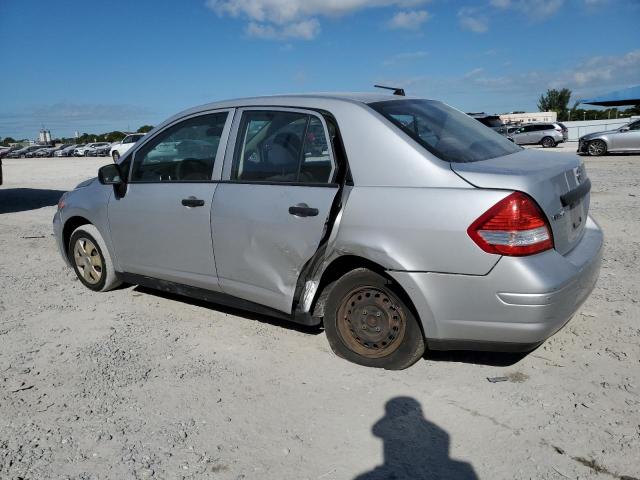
(515,226)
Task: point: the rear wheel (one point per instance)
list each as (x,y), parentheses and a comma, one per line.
(368,323)
(597,148)
(91,260)
(548,142)
(115,156)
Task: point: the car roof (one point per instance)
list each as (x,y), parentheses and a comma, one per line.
(301,99)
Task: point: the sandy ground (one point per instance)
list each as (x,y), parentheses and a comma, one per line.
(138,384)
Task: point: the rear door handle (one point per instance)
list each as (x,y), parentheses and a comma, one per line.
(303,210)
(192,202)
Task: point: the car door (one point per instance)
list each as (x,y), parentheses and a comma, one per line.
(271,210)
(161,226)
(627,139)
(523,135)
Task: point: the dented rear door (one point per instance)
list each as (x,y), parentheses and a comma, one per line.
(272,208)
(260,247)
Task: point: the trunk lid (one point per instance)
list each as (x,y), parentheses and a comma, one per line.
(556,181)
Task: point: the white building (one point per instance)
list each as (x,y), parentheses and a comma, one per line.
(524,117)
(44,136)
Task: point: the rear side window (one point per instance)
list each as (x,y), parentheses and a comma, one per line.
(282,147)
(446,132)
(184,152)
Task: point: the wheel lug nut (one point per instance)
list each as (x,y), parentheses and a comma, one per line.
(378,329)
(364,327)
(378,314)
(364,312)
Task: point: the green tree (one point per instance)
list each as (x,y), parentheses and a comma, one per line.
(145,128)
(556,101)
(7,141)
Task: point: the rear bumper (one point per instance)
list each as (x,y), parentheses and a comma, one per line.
(516,306)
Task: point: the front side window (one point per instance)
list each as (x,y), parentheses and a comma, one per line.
(634,126)
(184,152)
(449,134)
(282,147)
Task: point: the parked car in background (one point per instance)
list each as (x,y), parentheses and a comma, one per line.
(33,153)
(22,152)
(544,134)
(88,149)
(122,147)
(507,130)
(311,224)
(623,139)
(563,129)
(4,151)
(44,152)
(67,151)
(102,151)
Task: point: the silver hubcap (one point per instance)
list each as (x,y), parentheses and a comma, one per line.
(596,148)
(88,260)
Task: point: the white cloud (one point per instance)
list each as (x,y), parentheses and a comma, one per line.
(606,69)
(305,30)
(278,19)
(471,20)
(596,75)
(409,20)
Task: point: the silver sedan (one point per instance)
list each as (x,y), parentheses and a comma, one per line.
(625,139)
(397,224)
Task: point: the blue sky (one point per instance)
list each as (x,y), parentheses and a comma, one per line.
(95,66)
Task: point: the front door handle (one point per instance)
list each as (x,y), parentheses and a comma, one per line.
(192,202)
(303,210)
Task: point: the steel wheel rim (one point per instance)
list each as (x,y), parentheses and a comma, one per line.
(596,148)
(371,322)
(88,260)
(547,143)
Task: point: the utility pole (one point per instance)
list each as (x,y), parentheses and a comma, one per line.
(584,115)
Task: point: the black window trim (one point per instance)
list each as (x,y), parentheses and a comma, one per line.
(149,138)
(232,144)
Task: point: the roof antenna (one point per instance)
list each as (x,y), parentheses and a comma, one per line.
(396,91)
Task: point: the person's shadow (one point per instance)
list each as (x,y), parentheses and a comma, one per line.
(414,447)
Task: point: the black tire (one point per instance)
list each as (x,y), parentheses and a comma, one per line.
(115,156)
(365,304)
(86,153)
(597,148)
(548,142)
(93,241)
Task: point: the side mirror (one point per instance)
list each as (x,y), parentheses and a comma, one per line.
(110,175)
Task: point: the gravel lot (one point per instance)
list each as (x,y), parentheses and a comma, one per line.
(139,384)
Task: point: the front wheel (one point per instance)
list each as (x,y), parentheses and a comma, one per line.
(115,156)
(368,323)
(91,260)
(597,148)
(548,142)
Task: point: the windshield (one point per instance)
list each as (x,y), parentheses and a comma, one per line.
(447,133)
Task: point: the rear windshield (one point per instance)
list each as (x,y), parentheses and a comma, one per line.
(446,132)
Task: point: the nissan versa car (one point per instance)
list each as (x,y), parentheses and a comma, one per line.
(398,224)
